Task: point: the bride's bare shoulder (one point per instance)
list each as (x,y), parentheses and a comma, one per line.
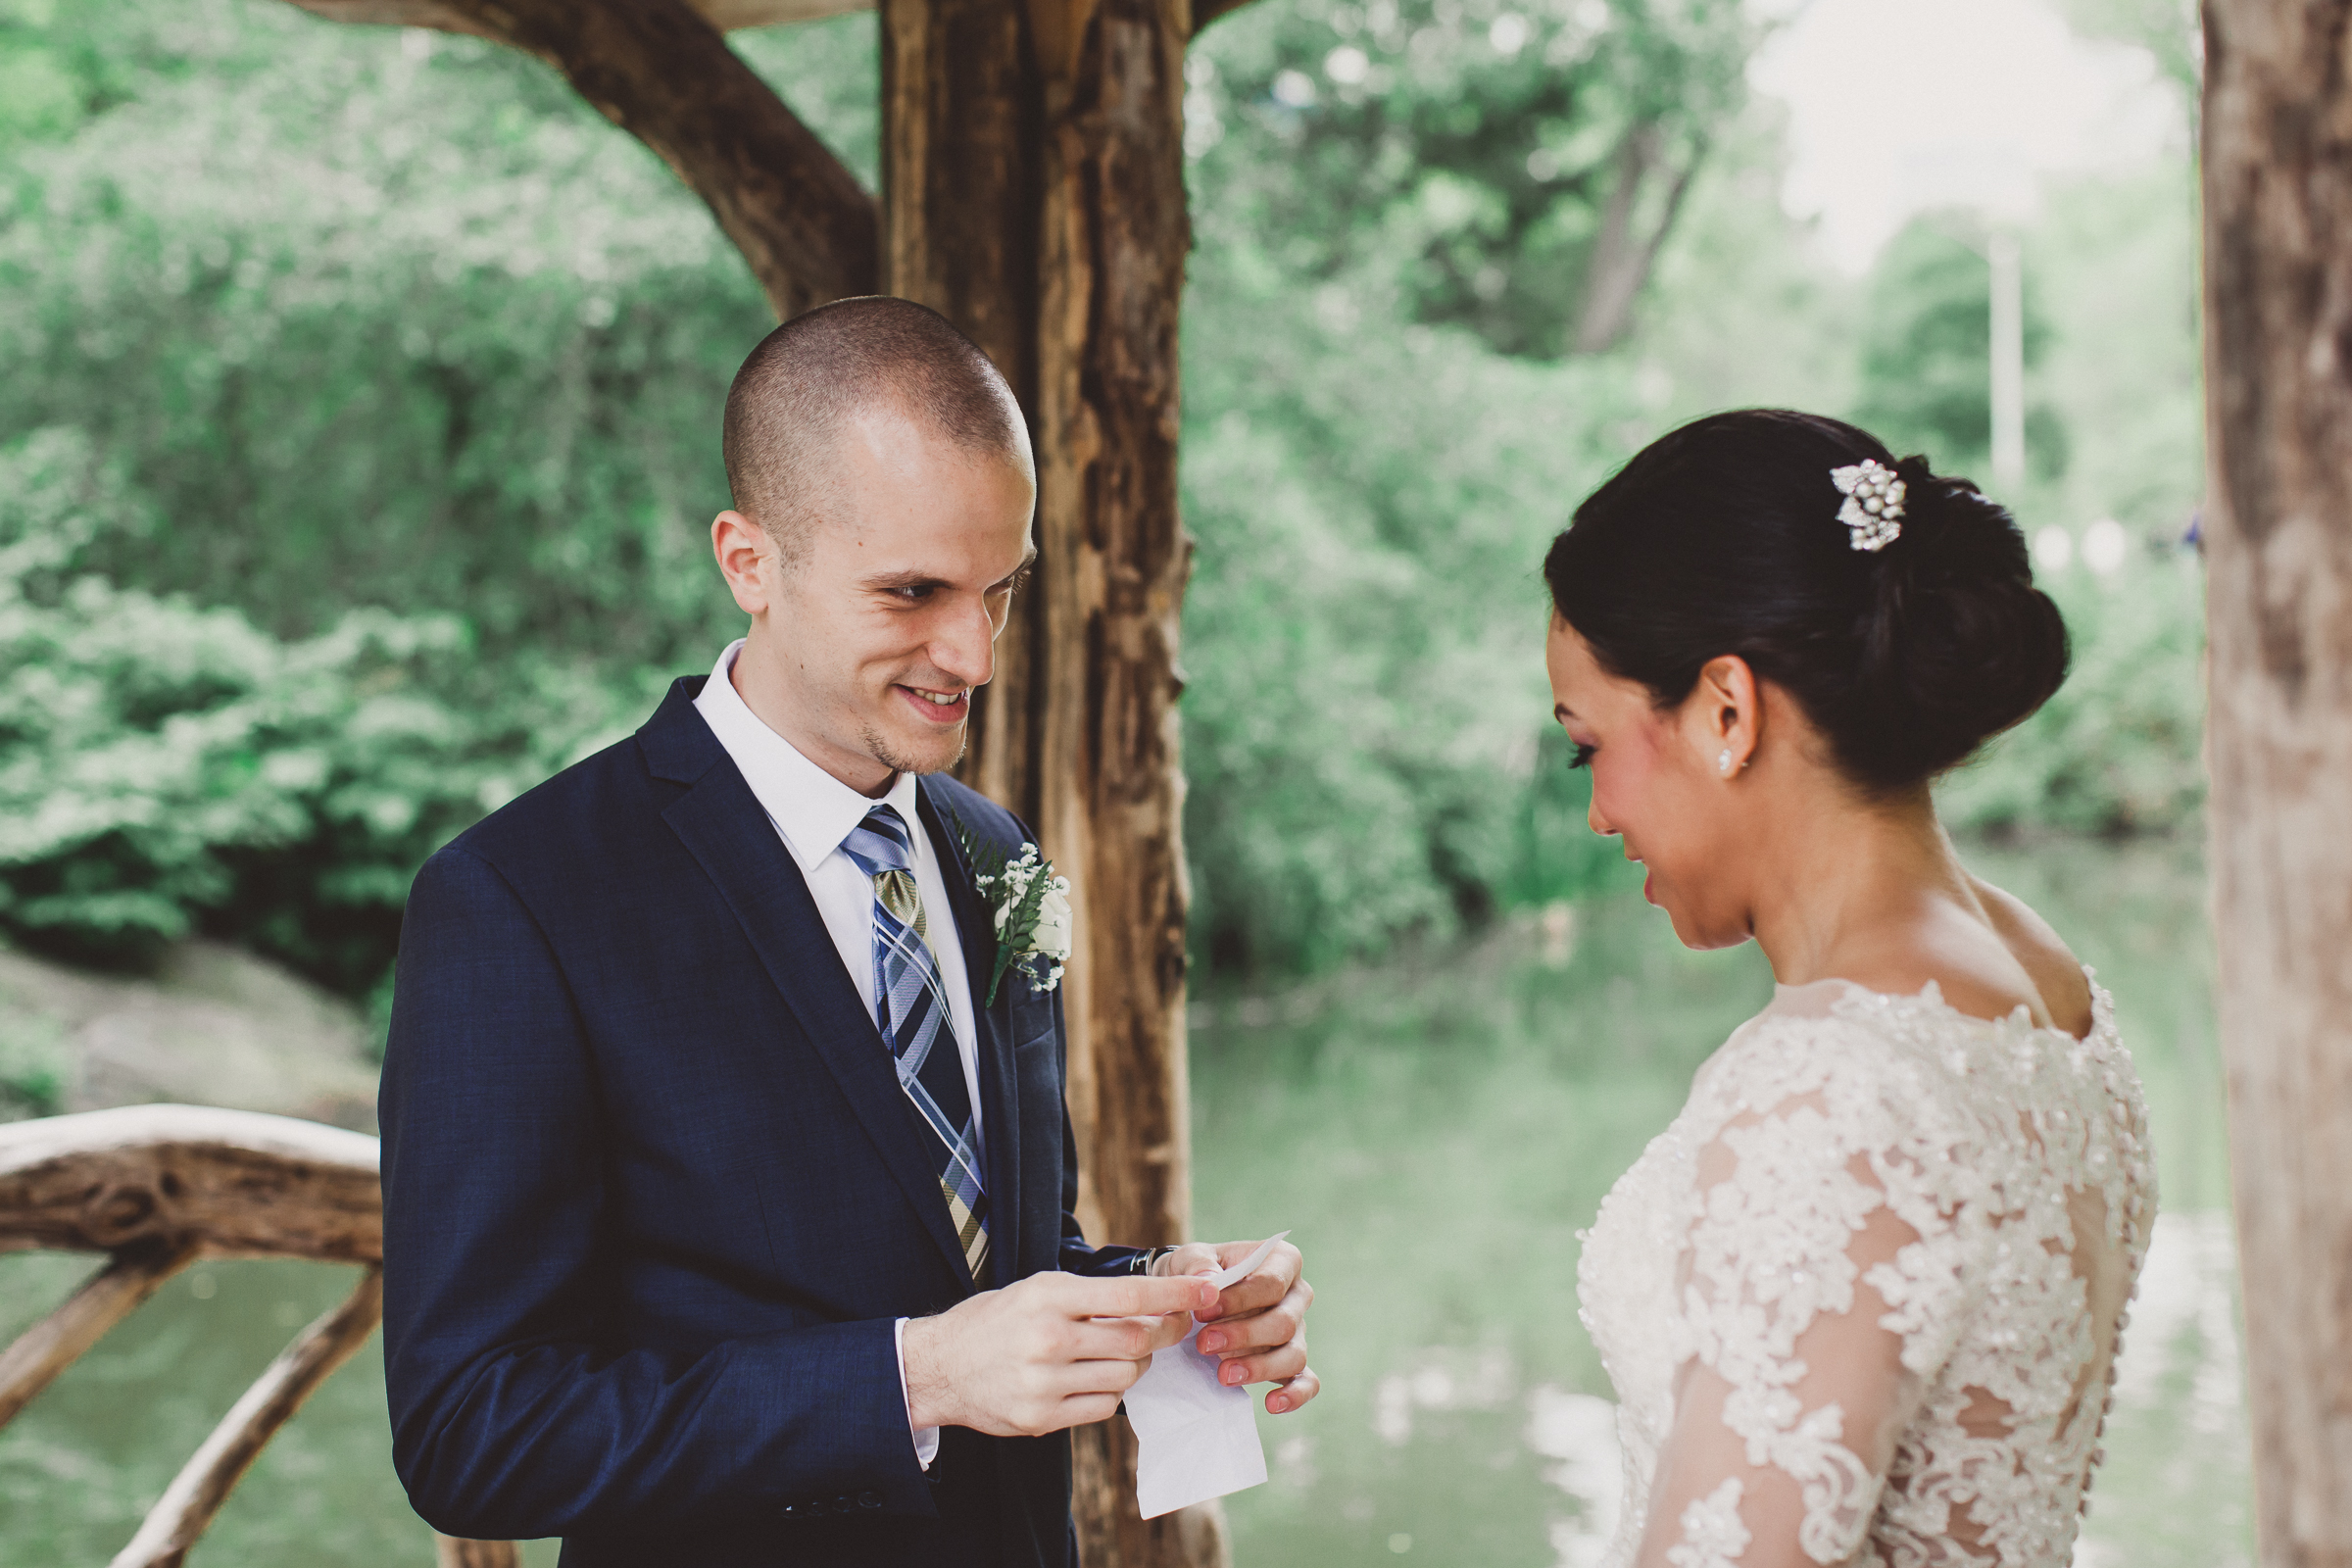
(2019,962)
(2056,973)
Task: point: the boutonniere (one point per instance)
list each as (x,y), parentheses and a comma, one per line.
(1031,906)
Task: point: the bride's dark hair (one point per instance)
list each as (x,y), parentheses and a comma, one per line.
(1723,538)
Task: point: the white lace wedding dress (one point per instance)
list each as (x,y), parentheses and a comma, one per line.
(1862,1299)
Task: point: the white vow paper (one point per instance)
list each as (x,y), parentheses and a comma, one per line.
(1196,1437)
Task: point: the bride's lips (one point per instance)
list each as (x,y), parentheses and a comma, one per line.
(954,712)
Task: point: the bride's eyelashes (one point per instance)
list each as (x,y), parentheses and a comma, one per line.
(1583,756)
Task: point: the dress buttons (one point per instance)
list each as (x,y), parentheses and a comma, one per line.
(869,1499)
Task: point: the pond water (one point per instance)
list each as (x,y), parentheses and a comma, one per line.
(1434,1130)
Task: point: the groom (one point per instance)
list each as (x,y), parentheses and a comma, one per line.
(727,1219)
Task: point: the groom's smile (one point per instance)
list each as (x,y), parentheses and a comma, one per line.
(939,706)
(876,609)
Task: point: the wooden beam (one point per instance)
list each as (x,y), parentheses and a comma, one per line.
(661,71)
(203,1483)
(106,1298)
(2278,532)
(238,1182)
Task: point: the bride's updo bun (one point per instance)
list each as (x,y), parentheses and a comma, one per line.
(1722,537)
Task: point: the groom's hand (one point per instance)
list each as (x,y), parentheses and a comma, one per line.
(1257,1327)
(1050,1351)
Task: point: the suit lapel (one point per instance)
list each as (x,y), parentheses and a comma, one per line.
(999,1105)
(726,830)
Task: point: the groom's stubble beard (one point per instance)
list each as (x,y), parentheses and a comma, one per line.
(890,757)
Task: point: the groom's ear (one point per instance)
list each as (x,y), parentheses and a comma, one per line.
(742,548)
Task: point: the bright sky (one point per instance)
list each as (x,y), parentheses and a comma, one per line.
(1897,106)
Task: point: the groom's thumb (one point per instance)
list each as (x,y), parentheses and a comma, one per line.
(1143,1296)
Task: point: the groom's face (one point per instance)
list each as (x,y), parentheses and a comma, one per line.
(885,619)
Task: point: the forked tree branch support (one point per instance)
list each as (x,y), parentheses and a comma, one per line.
(661,71)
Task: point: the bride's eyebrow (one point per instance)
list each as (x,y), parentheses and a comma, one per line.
(1562,713)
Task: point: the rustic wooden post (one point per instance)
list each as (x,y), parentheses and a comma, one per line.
(2277,525)
(1111,790)
(1034,194)
(962,158)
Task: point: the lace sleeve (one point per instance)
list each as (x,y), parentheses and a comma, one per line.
(1820,1287)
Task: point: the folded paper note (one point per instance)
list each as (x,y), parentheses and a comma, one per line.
(1196,1437)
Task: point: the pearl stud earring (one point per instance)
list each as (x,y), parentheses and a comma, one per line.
(1723,762)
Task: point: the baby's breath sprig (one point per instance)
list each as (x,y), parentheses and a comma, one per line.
(1031,906)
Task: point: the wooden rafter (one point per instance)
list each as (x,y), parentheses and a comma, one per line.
(661,71)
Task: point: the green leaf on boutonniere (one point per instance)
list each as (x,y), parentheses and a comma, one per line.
(1016,889)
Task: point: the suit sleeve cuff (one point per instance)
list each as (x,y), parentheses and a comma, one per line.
(926,1439)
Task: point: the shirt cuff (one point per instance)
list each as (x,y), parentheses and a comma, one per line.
(926,1439)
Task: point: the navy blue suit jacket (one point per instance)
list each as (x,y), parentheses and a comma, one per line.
(654,1200)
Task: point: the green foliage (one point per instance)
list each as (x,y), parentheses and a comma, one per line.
(364,475)
(1364,626)
(1365,710)
(335,298)
(1462,155)
(167,768)
(2117,751)
(1927,353)
(2115,260)
(33,1065)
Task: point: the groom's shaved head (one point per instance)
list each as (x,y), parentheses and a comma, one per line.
(801,388)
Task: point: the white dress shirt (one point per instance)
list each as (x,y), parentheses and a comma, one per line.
(813,812)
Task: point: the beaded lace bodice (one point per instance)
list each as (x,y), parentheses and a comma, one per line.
(1863,1296)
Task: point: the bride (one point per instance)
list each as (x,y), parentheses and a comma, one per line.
(1861,1300)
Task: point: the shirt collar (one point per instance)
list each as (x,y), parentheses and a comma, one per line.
(812,809)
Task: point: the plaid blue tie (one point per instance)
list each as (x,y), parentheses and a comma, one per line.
(910,1008)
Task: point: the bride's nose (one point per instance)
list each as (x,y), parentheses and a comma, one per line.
(1598,822)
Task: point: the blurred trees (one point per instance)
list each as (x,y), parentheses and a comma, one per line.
(1927,351)
(166,767)
(308,320)
(1511,165)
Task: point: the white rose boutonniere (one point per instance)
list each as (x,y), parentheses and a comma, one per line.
(1031,906)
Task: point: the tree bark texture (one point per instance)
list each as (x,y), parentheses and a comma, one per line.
(962,196)
(237,1183)
(661,71)
(1034,194)
(2278,526)
(1110,783)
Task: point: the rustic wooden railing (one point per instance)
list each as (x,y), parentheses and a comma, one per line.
(156,1188)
